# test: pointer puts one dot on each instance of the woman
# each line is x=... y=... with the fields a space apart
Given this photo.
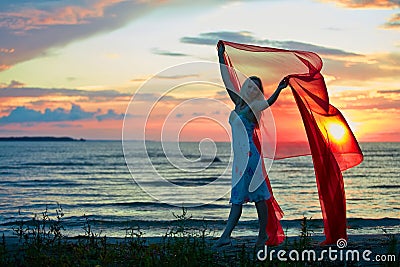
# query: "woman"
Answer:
x=248 y=182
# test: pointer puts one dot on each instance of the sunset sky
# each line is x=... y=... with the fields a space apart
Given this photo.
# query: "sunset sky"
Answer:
x=70 y=68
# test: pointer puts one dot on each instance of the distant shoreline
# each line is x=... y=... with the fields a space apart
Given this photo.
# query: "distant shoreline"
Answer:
x=41 y=138
x=67 y=139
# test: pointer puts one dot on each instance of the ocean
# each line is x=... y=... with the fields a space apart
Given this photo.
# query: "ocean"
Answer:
x=92 y=178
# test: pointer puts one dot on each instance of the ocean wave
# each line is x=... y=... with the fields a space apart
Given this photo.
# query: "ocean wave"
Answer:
x=391 y=186
x=115 y=221
x=40 y=183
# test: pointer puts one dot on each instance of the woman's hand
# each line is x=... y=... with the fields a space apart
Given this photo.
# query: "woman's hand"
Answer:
x=221 y=48
x=271 y=100
x=284 y=83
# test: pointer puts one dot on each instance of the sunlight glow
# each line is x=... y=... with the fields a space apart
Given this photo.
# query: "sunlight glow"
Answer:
x=337 y=131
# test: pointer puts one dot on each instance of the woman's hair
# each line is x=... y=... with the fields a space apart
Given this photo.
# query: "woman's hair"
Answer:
x=257 y=81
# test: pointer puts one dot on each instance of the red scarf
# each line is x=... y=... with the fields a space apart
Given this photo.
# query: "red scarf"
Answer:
x=325 y=133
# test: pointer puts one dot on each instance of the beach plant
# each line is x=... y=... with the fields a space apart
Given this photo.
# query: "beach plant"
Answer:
x=134 y=248
x=392 y=250
x=92 y=247
x=21 y=230
x=39 y=238
x=89 y=235
x=305 y=239
x=3 y=252
x=184 y=245
x=134 y=237
x=41 y=230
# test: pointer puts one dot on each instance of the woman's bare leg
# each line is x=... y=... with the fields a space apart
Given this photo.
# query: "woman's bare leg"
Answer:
x=234 y=215
x=262 y=211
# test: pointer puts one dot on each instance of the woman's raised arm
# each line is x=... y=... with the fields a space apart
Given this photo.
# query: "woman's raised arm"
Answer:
x=225 y=75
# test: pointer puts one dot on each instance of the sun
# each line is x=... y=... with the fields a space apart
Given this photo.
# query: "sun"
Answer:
x=337 y=131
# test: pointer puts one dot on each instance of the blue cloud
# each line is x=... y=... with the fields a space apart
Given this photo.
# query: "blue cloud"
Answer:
x=212 y=38
x=168 y=53
x=12 y=91
x=76 y=113
x=110 y=115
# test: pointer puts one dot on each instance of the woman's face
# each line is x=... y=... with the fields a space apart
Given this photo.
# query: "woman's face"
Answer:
x=252 y=91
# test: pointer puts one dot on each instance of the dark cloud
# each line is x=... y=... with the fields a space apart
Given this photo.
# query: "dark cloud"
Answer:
x=37 y=92
x=110 y=115
x=23 y=114
x=76 y=113
x=212 y=38
x=393 y=22
x=179 y=115
x=389 y=91
x=15 y=84
x=293 y=45
x=165 y=77
x=173 y=77
x=12 y=84
x=12 y=5
x=67 y=125
x=29 y=29
x=152 y=97
x=198 y=114
x=138 y=79
x=167 y=53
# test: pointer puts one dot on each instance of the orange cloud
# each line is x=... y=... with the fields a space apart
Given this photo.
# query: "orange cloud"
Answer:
x=374 y=66
x=4 y=67
x=54 y=24
x=29 y=19
x=366 y=3
x=393 y=22
x=7 y=50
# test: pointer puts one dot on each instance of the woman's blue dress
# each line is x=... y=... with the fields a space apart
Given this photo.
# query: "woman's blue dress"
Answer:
x=248 y=183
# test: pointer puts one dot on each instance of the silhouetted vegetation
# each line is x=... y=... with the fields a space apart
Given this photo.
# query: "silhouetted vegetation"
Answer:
x=41 y=242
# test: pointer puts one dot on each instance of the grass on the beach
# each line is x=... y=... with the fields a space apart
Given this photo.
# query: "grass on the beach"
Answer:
x=41 y=242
